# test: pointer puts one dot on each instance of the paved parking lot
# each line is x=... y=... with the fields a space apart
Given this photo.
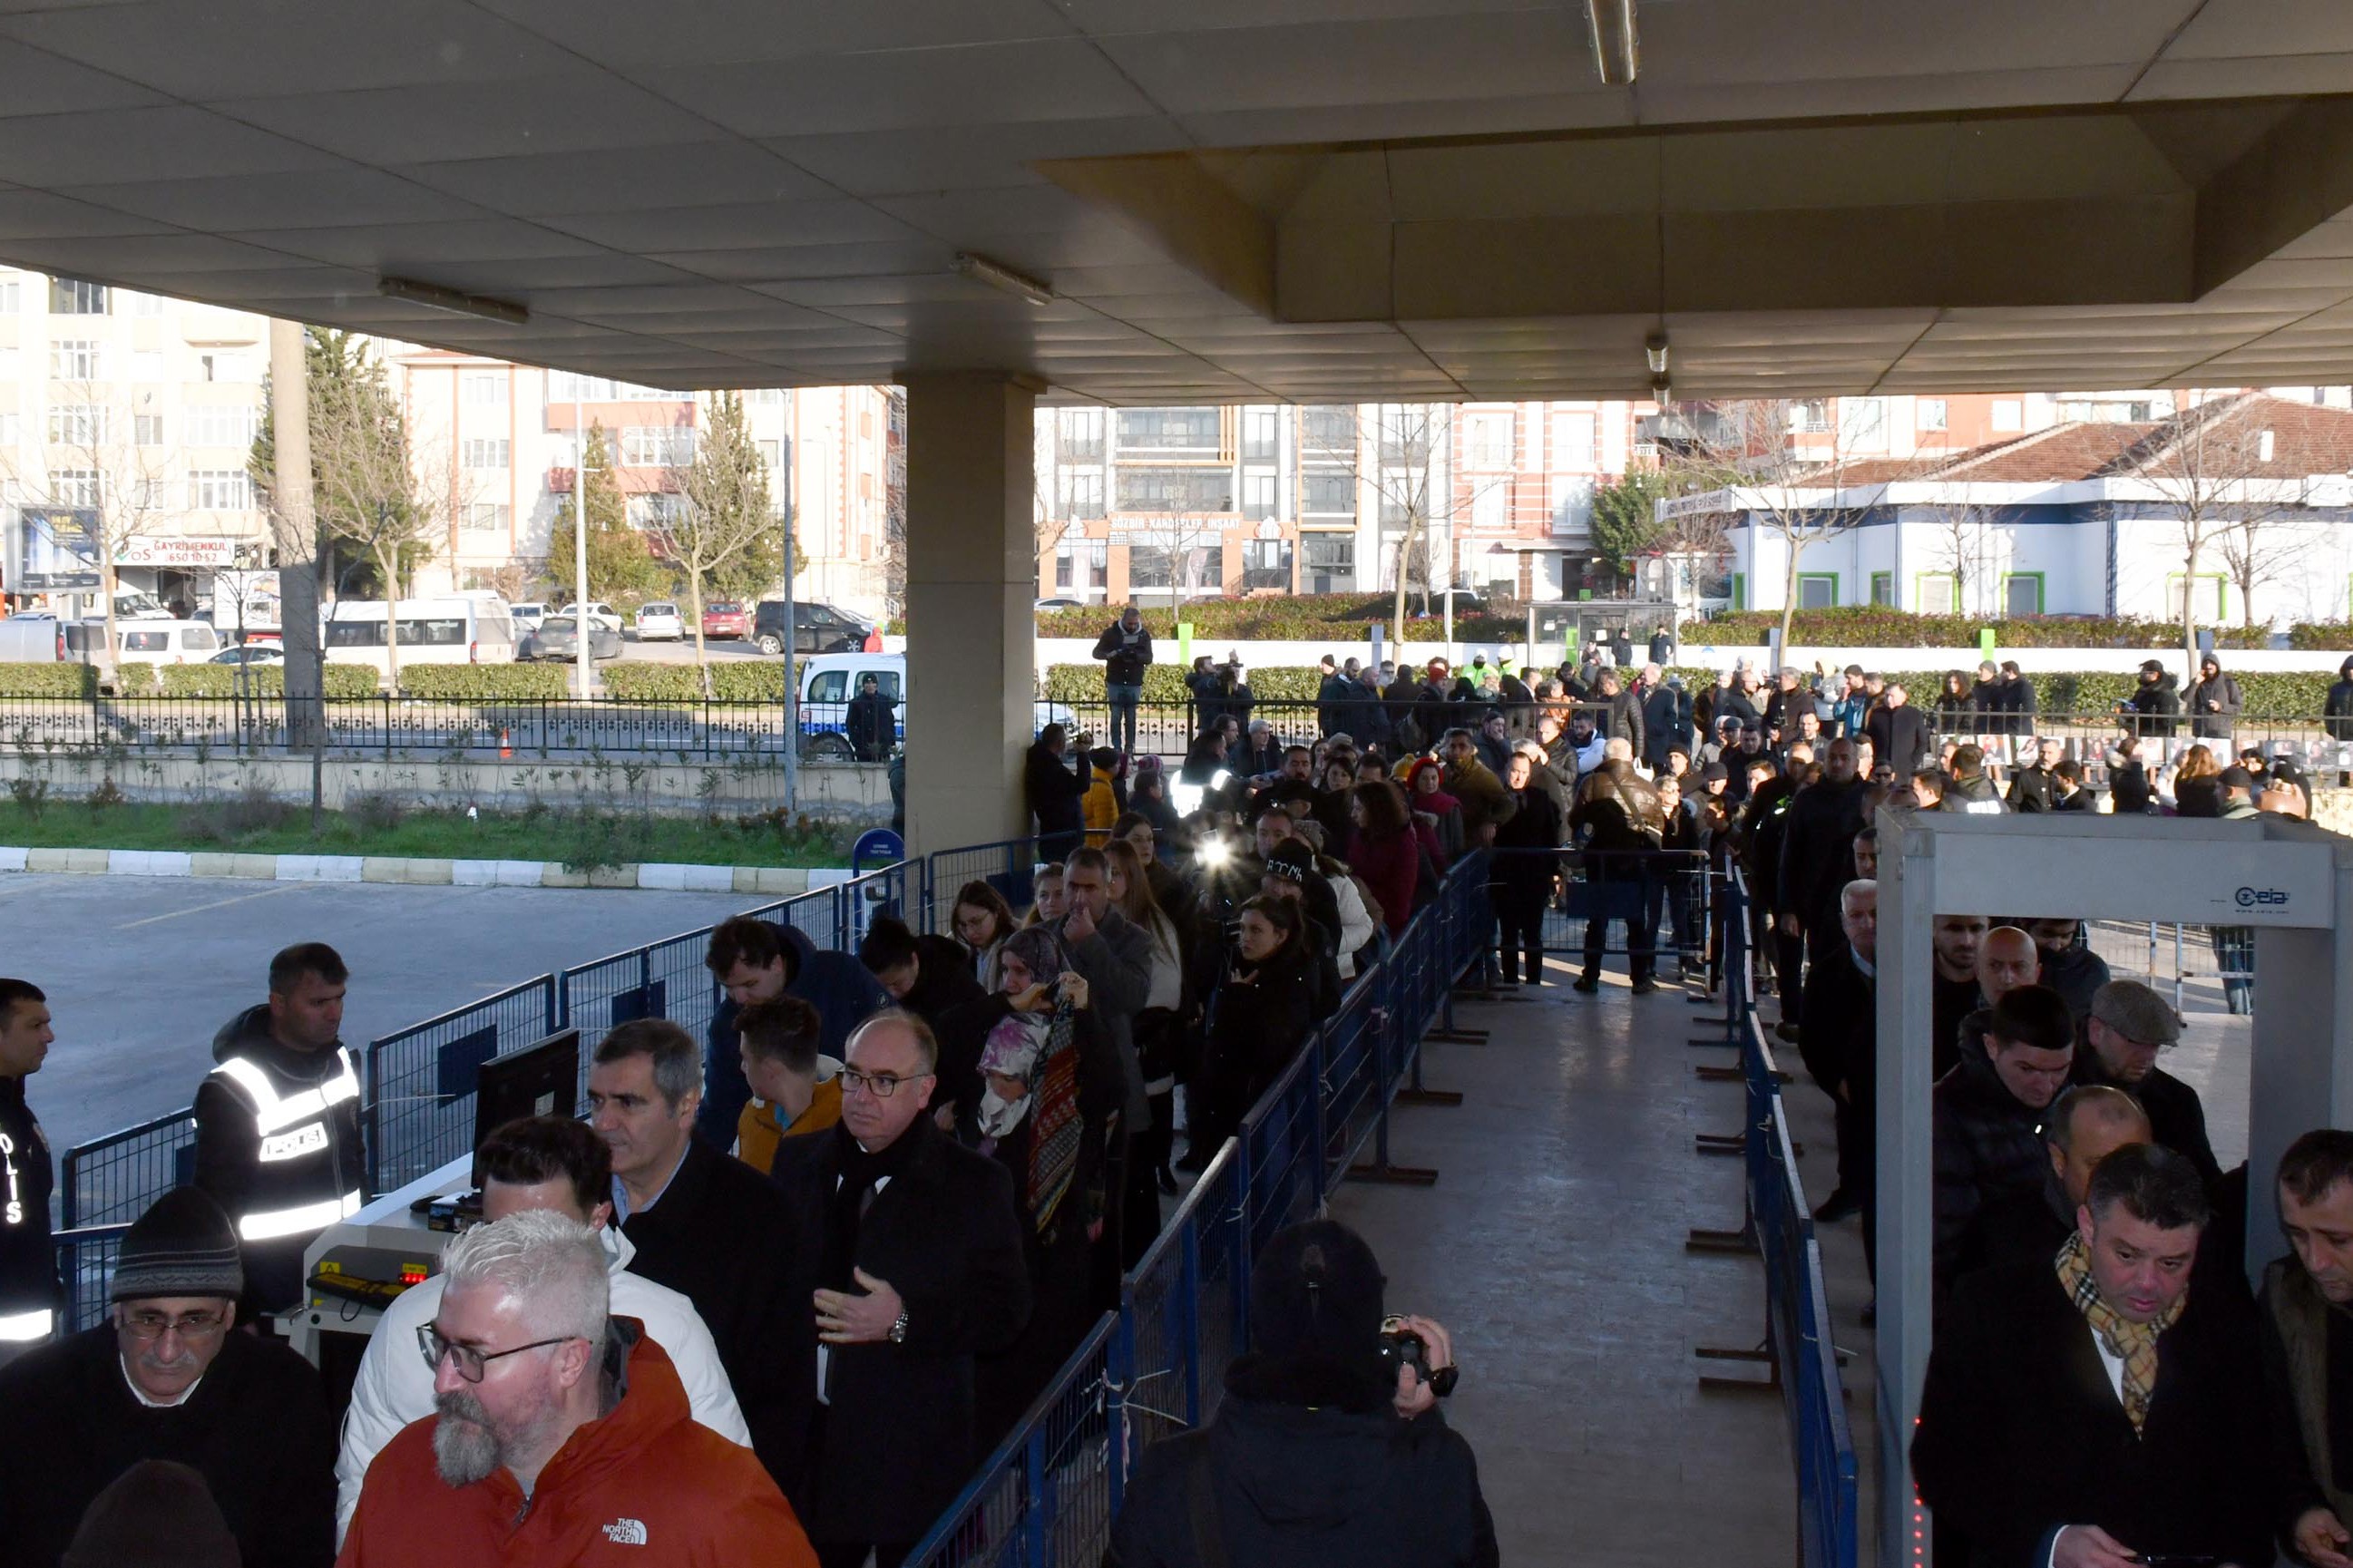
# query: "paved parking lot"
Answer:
x=142 y=971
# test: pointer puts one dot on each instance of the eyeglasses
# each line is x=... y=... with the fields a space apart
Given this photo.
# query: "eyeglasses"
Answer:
x=470 y=1363
x=882 y=1086
x=147 y=1325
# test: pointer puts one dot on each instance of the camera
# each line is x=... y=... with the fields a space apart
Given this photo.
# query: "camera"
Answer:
x=1400 y=1346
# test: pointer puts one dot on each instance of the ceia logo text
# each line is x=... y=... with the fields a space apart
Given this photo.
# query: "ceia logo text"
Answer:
x=2261 y=898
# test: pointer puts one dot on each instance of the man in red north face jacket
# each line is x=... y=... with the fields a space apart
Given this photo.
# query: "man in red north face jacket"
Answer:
x=563 y=1436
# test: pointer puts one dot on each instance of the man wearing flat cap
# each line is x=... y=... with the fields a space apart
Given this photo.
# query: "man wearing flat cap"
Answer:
x=169 y=1377
x=2128 y=1025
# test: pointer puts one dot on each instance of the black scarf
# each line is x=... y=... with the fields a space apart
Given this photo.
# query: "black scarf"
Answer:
x=859 y=1172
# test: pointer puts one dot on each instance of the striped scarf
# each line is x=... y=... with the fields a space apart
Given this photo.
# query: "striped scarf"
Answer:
x=2132 y=1343
x=1055 y=1129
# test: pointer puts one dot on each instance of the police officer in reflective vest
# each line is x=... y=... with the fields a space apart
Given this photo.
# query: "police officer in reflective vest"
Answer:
x=277 y=1122
x=29 y=1275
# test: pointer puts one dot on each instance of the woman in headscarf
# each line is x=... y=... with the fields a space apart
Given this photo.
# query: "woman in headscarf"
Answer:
x=1052 y=1088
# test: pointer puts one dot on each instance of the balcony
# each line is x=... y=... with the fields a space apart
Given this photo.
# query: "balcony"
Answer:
x=559 y=482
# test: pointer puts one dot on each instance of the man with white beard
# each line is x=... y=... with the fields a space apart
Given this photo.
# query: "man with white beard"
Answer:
x=559 y=1429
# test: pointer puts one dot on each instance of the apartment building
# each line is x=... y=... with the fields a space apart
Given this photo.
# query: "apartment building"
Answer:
x=1138 y=503
x=126 y=421
x=502 y=441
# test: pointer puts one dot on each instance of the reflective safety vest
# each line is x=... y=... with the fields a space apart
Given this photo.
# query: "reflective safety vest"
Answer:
x=302 y=1186
x=28 y=1279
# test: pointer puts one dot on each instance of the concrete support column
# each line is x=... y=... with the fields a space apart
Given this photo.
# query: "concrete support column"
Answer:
x=972 y=589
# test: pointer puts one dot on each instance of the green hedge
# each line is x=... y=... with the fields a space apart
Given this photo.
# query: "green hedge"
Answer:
x=48 y=680
x=263 y=680
x=1293 y=618
x=1868 y=625
x=489 y=682
x=136 y=678
x=731 y=681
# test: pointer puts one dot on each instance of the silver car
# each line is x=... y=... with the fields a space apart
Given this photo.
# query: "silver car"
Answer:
x=556 y=638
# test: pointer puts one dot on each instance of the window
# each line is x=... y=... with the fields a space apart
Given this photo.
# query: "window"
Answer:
x=565 y=386
x=1572 y=441
x=1149 y=567
x=12 y=429
x=772 y=454
x=2021 y=594
x=1266 y=563
x=1490 y=441
x=1262 y=429
x=434 y=632
x=1407 y=432
x=1810 y=417
x=1931 y=413
x=71 y=297
x=1176 y=490
x=353 y=633
x=1816 y=591
x=226 y=366
x=147 y=365
x=1081 y=436
x=76 y=359
x=147 y=430
x=1328 y=495
x=1328 y=434
x=1063 y=566
x=220 y=424
x=764 y=397
x=654 y=446
x=1258 y=496
x=1937 y=594
x=1082 y=495
x=12 y=297
x=12 y=364
x=1882 y=589
x=1491 y=507
x=830 y=686
x=2008 y=414
x=484 y=388
x=219 y=489
x=145 y=304
x=1168 y=429
x=652 y=510
x=76 y=425
x=481 y=452
x=1328 y=562
x=1866 y=422
x=149 y=494
x=488 y=517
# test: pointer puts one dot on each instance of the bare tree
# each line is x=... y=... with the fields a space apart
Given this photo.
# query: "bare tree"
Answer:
x=721 y=512
x=1802 y=496
x=104 y=460
x=1411 y=472
x=2212 y=465
x=2262 y=548
x=1179 y=534
x=1969 y=544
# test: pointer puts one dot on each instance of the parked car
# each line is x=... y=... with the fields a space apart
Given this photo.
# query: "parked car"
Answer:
x=726 y=619
x=659 y=621
x=164 y=641
x=603 y=614
x=816 y=628
x=257 y=655
x=558 y=639
x=1061 y=605
x=829 y=681
x=526 y=617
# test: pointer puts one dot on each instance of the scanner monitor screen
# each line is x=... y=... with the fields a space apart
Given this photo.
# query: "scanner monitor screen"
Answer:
x=541 y=1080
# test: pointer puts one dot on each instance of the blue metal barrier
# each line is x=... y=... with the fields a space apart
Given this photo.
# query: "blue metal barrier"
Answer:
x=420 y=1113
x=1005 y=866
x=113 y=1179
x=86 y=1255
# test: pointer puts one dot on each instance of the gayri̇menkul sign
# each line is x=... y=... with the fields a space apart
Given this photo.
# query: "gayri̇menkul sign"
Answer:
x=149 y=550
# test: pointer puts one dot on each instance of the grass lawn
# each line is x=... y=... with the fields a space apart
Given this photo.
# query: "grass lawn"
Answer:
x=247 y=827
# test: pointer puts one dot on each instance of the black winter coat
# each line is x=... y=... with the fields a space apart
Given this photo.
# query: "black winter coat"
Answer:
x=1533 y=833
x=721 y=1237
x=257 y=1428
x=2339 y=711
x=1899 y=738
x=1988 y=1145
x=2155 y=707
x=1626 y=720
x=1053 y=791
x=898 y=1442
x=1818 y=851
x=870 y=726
x=28 y=1270
x=1663 y=725
x=2021 y=1432
x=2224 y=692
x=1308 y=1467
x=2176 y=1116
x=1125 y=656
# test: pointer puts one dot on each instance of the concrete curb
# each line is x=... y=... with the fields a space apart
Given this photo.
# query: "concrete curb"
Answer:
x=774 y=881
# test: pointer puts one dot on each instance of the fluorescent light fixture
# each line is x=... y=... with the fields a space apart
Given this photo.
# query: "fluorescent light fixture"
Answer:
x=457 y=302
x=1654 y=349
x=996 y=275
x=1616 y=48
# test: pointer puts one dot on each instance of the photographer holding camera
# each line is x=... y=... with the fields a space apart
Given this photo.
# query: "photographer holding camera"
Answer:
x=1329 y=1449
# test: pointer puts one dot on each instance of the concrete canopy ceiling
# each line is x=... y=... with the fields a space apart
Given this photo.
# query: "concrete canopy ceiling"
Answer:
x=1231 y=199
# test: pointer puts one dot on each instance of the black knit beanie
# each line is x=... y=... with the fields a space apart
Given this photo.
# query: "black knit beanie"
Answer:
x=183 y=1245
x=1316 y=1291
x=157 y=1514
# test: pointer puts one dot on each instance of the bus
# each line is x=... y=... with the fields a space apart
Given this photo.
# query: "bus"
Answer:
x=457 y=630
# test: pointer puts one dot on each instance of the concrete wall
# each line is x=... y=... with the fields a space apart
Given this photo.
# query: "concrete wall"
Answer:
x=844 y=793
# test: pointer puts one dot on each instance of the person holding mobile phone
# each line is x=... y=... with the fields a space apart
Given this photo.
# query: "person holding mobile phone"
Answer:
x=2089 y=1410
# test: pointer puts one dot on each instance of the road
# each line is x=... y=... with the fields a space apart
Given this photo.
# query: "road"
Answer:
x=141 y=971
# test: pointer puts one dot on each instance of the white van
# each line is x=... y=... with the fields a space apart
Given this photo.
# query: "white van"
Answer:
x=829 y=681
x=432 y=631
